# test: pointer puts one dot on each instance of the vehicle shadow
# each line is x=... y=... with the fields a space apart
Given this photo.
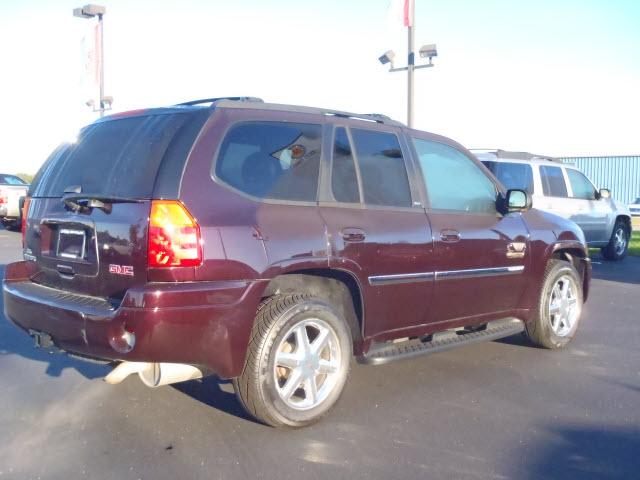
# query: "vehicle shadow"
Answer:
x=14 y=341
x=588 y=452
x=625 y=271
x=214 y=392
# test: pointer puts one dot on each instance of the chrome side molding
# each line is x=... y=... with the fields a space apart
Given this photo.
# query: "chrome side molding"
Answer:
x=379 y=280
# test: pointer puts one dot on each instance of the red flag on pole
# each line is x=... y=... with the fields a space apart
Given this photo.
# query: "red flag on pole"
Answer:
x=408 y=13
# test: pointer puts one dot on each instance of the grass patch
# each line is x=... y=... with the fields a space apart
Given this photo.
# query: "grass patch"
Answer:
x=634 y=244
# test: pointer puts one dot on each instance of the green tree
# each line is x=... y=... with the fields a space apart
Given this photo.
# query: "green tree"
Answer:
x=27 y=177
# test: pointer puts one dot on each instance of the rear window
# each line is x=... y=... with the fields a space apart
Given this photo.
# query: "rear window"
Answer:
x=113 y=158
x=512 y=175
x=11 y=180
x=553 y=182
x=272 y=160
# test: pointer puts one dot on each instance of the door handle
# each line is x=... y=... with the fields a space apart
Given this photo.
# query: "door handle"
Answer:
x=450 y=236
x=353 y=234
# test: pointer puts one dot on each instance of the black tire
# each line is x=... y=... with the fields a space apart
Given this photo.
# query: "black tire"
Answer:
x=614 y=251
x=544 y=330
x=258 y=387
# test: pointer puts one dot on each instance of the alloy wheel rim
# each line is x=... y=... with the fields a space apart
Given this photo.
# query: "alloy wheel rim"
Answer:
x=620 y=241
x=307 y=364
x=564 y=308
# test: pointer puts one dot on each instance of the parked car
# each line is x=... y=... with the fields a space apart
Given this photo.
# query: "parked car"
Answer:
x=634 y=208
x=269 y=243
x=562 y=189
x=12 y=189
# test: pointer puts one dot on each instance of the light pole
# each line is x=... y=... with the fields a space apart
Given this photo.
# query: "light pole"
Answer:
x=427 y=51
x=91 y=11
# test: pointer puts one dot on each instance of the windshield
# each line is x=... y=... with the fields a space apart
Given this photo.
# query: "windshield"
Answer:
x=11 y=180
x=512 y=175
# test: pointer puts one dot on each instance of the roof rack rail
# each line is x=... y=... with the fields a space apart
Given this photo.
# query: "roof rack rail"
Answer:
x=369 y=117
x=499 y=153
x=217 y=99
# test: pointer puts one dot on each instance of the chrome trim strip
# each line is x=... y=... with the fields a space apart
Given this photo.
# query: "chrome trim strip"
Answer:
x=377 y=280
x=479 y=272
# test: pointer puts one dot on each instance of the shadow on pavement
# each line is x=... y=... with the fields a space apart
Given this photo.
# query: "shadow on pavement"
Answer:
x=14 y=341
x=216 y=393
x=626 y=271
x=586 y=453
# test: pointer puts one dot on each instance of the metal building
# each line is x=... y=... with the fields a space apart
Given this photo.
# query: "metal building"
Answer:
x=621 y=175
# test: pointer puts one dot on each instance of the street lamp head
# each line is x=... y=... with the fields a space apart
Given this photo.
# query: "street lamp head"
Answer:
x=89 y=11
x=387 y=57
x=428 y=51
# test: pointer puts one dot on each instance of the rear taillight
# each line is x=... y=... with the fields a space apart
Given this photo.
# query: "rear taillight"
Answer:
x=3 y=197
x=23 y=225
x=174 y=236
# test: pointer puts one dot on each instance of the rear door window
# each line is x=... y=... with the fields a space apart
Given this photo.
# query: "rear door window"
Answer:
x=580 y=185
x=553 y=184
x=382 y=168
x=344 y=179
x=512 y=175
x=272 y=160
x=119 y=157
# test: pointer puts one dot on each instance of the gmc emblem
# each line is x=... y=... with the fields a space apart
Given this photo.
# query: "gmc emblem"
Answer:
x=121 y=269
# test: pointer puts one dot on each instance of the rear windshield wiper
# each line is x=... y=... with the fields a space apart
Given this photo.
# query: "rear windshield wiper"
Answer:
x=84 y=202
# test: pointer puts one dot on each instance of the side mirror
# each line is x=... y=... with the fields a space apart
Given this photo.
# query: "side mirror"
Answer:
x=517 y=201
x=604 y=193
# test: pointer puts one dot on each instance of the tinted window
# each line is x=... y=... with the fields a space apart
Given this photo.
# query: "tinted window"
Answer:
x=453 y=180
x=272 y=160
x=384 y=176
x=553 y=181
x=581 y=186
x=11 y=180
x=114 y=157
x=512 y=175
x=344 y=181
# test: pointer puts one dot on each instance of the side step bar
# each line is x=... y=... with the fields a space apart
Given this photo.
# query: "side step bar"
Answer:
x=441 y=341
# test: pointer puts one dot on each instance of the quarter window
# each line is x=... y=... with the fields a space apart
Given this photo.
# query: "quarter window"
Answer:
x=344 y=180
x=382 y=168
x=553 y=182
x=580 y=185
x=453 y=180
x=272 y=160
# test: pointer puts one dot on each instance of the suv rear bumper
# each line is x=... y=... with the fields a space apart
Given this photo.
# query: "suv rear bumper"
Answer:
x=200 y=323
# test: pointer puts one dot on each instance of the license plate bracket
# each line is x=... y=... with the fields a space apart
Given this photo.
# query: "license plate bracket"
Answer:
x=71 y=244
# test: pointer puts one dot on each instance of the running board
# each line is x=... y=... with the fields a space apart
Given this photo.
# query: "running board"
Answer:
x=441 y=341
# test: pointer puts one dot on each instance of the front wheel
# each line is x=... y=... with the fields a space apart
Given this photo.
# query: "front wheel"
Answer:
x=297 y=362
x=618 y=244
x=559 y=307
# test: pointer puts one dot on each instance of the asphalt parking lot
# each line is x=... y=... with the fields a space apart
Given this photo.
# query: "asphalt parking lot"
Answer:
x=495 y=410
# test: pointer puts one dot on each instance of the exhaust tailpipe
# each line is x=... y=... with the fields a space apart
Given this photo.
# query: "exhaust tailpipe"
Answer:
x=158 y=374
x=154 y=374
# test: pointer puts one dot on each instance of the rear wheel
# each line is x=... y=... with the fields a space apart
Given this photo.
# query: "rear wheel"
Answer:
x=618 y=244
x=297 y=362
x=559 y=307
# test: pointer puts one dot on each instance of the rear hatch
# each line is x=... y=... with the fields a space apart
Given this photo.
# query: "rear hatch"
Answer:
x=88 y=215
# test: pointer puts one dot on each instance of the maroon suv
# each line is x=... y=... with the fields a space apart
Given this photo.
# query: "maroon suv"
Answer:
x=269 y=243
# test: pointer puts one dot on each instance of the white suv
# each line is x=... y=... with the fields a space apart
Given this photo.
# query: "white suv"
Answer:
x=562 y=189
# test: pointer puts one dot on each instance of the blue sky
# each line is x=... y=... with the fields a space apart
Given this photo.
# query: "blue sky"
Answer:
x=557 y=78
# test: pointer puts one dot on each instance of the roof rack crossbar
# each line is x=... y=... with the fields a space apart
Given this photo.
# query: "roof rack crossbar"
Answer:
x=212 y=101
